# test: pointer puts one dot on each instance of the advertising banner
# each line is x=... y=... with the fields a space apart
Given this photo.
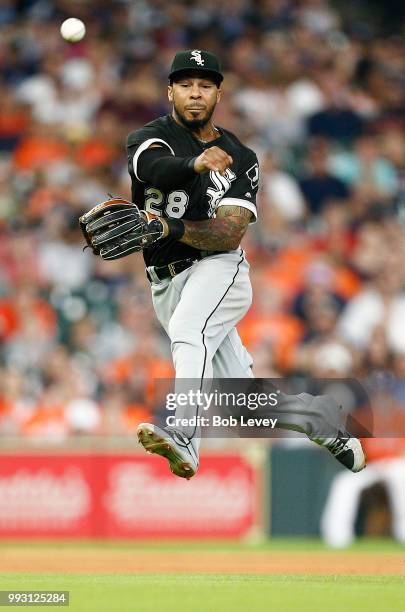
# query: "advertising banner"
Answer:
x=125 y=496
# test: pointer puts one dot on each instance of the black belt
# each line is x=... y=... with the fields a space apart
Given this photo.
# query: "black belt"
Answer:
x=174 y=268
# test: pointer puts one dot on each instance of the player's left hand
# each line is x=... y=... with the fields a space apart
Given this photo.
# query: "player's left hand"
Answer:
x=116 y=228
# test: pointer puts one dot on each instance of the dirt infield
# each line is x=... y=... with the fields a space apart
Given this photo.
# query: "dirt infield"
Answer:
x=78 y=561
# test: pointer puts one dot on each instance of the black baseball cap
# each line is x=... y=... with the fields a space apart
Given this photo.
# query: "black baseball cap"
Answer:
x=195 y=59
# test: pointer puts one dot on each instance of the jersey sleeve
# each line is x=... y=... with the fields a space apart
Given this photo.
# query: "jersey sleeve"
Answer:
x=244 y=187
x=139 y=141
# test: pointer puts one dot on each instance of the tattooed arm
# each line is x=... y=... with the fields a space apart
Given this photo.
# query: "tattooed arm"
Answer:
x=223 y=233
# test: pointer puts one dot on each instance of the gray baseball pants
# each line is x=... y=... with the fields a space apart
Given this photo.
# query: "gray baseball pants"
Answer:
x=199 y=309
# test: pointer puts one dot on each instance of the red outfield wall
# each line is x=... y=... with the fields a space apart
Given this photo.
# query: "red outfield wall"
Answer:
x=125 y=496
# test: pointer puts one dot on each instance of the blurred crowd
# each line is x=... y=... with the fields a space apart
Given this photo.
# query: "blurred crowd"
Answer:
x=317 y=91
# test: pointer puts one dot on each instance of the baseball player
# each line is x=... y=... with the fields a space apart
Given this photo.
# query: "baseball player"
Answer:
x=195 y=186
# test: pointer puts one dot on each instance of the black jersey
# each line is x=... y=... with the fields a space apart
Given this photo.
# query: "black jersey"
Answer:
x=199 y=198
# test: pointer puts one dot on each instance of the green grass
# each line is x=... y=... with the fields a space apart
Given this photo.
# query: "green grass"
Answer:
x=374 y=545
x=216 y=593
x=201 y=593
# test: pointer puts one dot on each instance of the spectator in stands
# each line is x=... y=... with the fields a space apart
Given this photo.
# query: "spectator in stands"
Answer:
x=319 y=186
x=337 y=121
x=366 y=171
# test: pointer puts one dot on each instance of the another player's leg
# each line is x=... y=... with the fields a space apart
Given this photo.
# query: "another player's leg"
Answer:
x=340 y=511
x=394 y=476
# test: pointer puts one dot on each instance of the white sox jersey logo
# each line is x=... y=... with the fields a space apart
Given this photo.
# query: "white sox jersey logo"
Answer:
x=222 y=184
x=196 y=56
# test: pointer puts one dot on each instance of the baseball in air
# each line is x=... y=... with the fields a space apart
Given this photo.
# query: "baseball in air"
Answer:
x=73 y=30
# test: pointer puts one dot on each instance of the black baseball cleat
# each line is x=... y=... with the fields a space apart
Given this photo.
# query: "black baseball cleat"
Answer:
x=347 y=450
x=172 y=445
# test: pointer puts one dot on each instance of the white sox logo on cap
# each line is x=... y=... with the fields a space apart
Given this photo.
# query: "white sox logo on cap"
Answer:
x=196 y=55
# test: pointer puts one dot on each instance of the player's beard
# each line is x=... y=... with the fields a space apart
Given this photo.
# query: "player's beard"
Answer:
x=194 y=124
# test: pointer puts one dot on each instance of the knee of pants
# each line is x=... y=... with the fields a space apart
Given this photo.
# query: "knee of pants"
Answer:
x=184 y=331
x=192 y=340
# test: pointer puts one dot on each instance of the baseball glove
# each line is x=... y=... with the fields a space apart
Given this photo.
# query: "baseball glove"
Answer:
x=116 y=228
